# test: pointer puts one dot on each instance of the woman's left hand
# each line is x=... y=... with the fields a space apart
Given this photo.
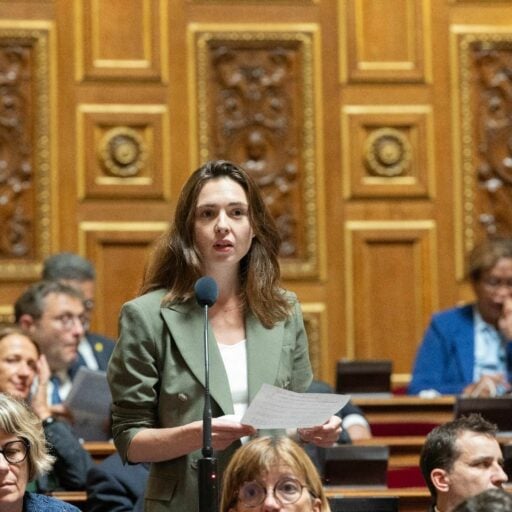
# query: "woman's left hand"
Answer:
x=323 y=435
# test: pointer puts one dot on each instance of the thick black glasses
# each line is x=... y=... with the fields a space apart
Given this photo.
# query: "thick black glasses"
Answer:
x=287 y=491
x=15 y=452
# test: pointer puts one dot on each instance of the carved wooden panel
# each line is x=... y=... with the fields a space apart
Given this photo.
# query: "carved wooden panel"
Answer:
x=121 y=39
x=483 y=81
x=255 y=104
x=384 y=40
x=25 y=141
x=391 y=270
x=6 y=315
x=122 y=151
x=119 y=251
x=388 y=151
x=315 y=321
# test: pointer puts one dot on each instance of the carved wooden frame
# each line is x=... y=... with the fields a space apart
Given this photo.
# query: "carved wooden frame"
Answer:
x=39 y=36
x=307 y=36
x=315 y=321
x=466 y=186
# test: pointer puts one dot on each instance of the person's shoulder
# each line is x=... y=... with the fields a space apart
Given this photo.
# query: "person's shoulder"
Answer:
x=149 y=299
x=290 y=296
x=451 y=314
x=36 y=502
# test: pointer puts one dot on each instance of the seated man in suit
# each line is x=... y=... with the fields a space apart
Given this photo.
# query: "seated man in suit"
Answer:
x=460 y=459
x=52 y=313
x=468 y=349
x=94 y=350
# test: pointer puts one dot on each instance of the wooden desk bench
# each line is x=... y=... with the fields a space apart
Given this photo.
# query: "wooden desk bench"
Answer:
x=403 y=451
x=410 y=500
x=99 y=450
x=406 y=409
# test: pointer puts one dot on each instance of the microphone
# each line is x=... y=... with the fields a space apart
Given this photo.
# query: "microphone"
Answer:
x=206 y=292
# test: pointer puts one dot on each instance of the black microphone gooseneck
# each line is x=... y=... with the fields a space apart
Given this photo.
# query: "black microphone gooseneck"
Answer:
x=206 y=292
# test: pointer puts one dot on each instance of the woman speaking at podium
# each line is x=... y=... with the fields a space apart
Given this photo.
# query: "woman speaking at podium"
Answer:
x=222 y=229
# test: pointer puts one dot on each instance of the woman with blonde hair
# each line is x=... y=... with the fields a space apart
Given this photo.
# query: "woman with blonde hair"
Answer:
x=272 y=473
x=24 y=456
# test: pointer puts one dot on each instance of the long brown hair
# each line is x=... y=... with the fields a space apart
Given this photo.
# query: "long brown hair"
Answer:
x=176 y=265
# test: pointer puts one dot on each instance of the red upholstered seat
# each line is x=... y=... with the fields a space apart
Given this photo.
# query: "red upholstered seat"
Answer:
x=405 y=477
x=402 y=429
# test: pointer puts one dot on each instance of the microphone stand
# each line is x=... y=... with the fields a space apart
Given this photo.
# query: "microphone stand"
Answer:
x=207 y=465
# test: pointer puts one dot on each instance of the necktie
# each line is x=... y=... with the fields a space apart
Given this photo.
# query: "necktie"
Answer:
x=55 y=391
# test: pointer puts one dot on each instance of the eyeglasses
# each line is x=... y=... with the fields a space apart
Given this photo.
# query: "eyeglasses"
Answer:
x=67 y=321
x=287 y=491
x=495 y=283
x=15 y=452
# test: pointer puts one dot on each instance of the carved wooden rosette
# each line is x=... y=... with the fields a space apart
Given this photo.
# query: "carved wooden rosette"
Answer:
x=388 y=153
x=24 y=150
x=485 y=91
x=122 y=152
x=255 y=106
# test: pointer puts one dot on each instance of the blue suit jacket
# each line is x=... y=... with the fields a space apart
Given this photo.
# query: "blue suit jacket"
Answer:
x=446 y=358
x=102 y=348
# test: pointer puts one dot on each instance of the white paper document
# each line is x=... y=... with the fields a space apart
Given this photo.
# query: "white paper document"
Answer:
x=274 y=407
x=89 y=400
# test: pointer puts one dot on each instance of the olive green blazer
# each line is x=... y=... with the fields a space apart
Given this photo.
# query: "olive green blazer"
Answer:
x=156 y=376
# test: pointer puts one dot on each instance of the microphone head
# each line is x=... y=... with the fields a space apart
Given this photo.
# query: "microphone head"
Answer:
x=206 y=291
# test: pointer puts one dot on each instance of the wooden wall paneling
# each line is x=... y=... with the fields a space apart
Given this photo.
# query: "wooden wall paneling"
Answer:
x=391 y=285
x=28 y=212
x=315 y=321
x=123 y=151
x=480 y=56
x=385 y=40
x=27 y=132
x=388 y=151
x=6 y=314
x=255 y=99
x=119 y=39
x=120 y=251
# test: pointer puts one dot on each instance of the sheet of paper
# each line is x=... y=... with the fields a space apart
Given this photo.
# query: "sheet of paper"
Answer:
x=274 y=407
x=89 y=400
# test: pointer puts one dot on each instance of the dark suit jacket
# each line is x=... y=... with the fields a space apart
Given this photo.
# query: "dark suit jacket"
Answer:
x=102 y=348
x=446 y=358
x=72 y=461
x=115 y=487
x=156 y=376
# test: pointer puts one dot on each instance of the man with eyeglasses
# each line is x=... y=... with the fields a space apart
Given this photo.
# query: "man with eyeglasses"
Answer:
x=52 y=313
x=94 y=350
x=468 y=349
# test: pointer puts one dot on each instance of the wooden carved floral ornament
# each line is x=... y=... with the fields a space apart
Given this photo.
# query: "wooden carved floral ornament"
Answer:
x=387 y=153
x=123 y=152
